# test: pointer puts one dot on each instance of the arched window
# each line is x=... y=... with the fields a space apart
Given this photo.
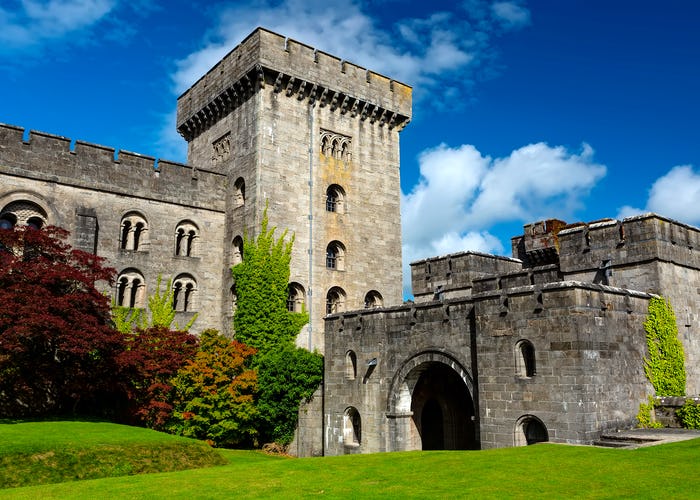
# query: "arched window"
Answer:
x=525 y=359
x=186 y=239
x=335 y=300
x=350 y=365
x=352 y=427
x=239 y=192
x=373 y=299
x=8 y=221
x=295 y=297
x=134 y=232
x=22 y=213
x=237 y=251
x=184 y=289
x=131 y=289
x=530 y=430
x=335 y=199
x=335 y=256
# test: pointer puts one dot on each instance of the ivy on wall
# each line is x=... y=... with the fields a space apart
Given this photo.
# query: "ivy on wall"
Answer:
x=665 y=364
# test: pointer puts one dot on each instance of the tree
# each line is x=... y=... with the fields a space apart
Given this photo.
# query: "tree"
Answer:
x=213 y=393
x=286 y=375
x=58 y=352
x=665 y=365
x=160 y=312
x=152 y=358
x=262 y=320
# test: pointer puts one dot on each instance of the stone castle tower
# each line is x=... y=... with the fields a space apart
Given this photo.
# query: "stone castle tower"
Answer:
x=318 y=139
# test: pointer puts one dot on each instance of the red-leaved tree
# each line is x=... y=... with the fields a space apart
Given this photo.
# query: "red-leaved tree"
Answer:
x=152 y=358
x=58 y=352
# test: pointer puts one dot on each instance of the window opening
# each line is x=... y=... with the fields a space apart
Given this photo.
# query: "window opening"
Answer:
x=350 y=365
x=373 y=299
x=239 y=192
x=352 y=427
x=335 y=300
x=335 y=256
x=526 y=359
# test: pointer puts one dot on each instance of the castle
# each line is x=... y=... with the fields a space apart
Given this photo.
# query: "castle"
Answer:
x=494 y=351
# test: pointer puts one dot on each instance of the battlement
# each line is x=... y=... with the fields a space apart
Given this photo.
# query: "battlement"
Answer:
x=267 y=58
x=453 y=275
x=55 y=158
x=632 y=241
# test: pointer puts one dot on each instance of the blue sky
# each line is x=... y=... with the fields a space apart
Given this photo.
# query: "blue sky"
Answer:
x=523 y=110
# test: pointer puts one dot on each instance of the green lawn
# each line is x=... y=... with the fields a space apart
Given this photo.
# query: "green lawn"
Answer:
x=541 y=471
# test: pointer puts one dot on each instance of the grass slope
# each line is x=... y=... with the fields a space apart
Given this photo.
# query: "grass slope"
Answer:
x=541 y=471
x=51 y=452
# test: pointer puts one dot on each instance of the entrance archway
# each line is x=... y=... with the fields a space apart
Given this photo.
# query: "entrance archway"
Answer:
x=431 y=407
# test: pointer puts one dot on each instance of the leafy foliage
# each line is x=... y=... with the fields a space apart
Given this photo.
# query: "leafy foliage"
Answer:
x=125 y=319
x=214 y=393
x=153 y=357
x=645 y=418
x=287 y=376
x=665 y=365
x=689 y=414
x=262 y=320
x=58 y=352
x=160 y=312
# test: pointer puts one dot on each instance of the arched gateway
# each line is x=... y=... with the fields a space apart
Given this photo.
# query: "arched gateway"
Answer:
x=430 y=405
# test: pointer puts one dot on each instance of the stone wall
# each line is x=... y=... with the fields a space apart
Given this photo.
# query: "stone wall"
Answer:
x=87 y=189
x=588 y=349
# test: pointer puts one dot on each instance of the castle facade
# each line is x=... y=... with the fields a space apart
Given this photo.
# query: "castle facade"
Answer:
x=275 y=122
x=545 y=346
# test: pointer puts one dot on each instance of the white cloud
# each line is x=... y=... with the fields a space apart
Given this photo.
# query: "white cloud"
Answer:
x=511 y=14
x=675 y=195
x=34 y=22
x=441 y=51
x=461 y=193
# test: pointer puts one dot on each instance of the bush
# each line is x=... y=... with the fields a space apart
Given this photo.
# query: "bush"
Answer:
x=689 y=414
x=153 y=357
x=287 y=376
x=213 y=393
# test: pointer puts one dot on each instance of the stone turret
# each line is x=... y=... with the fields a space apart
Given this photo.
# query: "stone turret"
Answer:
x=317 y=138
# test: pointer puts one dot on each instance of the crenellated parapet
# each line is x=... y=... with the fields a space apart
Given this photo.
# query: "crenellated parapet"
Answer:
x=57 y=159
x=612 y=247
x=451 y=276
x=268 y=60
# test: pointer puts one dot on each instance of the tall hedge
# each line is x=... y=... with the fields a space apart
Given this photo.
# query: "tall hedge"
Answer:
x=665 y=364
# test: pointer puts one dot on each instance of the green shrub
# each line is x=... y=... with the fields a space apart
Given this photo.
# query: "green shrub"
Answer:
x=689 y=414
x=644 y=417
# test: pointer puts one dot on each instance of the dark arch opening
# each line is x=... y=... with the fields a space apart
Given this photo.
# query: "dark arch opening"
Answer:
x=433 y=426
x=443 y=409
x=534 y=431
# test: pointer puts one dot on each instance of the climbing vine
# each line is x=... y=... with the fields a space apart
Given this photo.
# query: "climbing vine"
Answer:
x=665 y=364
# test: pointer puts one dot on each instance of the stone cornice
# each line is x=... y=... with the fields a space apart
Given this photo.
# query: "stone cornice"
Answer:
x=259 y=77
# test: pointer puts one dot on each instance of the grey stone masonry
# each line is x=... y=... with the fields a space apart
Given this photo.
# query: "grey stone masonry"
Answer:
x=317 y=140
x=548 y=346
